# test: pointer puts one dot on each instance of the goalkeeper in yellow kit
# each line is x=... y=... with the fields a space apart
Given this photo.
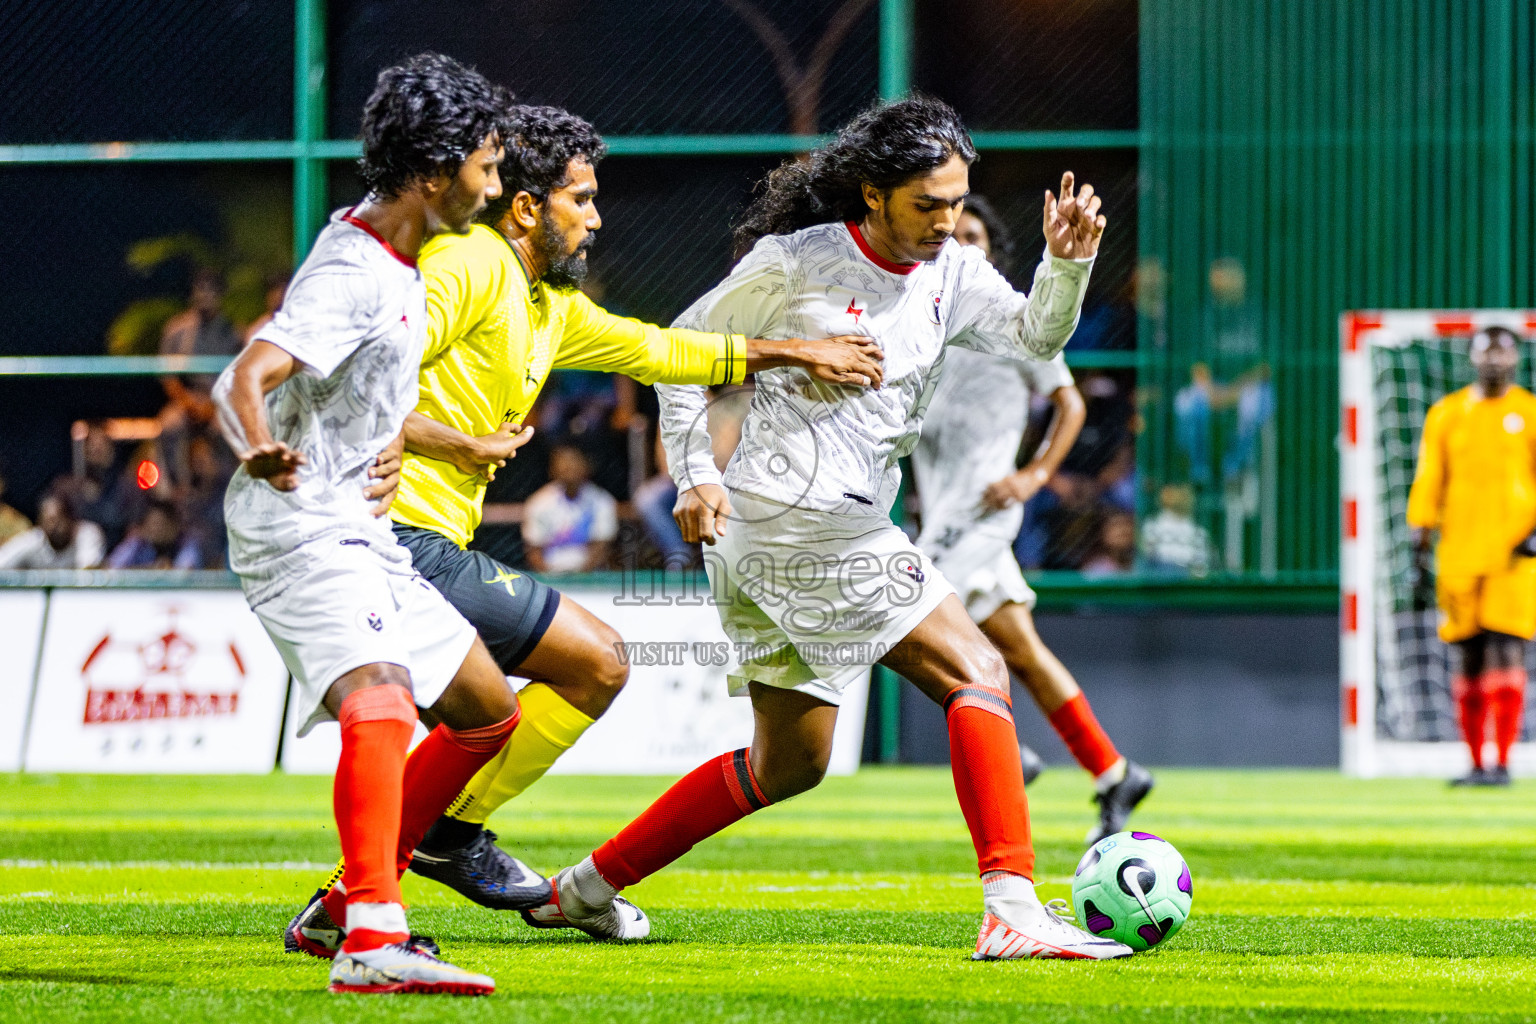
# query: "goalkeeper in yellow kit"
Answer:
x=503 y=310
x=1476 y=484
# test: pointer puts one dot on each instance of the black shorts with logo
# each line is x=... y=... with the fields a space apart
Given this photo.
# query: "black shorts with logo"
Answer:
x=509 y=609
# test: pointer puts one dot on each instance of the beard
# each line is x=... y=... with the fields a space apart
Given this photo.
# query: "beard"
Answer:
x=565 y=269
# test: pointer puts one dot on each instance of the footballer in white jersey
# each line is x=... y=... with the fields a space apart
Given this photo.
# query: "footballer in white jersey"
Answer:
x=973 y=505
x=307 y=407
x=808 y=449
x=812 y=580
x=970 y=442
x=321 y=570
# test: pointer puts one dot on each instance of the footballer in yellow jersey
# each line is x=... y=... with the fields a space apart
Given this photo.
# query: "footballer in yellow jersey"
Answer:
x=503 y=310
x=1476 y=484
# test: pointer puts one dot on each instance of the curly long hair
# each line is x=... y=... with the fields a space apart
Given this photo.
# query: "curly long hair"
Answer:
x=424 y=118
x=885 y=146
x=540 y=144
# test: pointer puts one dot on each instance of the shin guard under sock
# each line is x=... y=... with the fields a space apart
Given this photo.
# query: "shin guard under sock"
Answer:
x=436 y=772
x=376 y=726
x=1471 y=714
x=1506 y=698
x=718 y=793
x=989 y=780
x=1079 y=729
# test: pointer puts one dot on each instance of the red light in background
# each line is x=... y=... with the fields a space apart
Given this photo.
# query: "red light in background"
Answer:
x=148 y=475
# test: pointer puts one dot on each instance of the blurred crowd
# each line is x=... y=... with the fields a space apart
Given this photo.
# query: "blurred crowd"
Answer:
x=590 y=492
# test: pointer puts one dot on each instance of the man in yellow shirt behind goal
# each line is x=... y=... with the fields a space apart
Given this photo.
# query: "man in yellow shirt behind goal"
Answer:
x=503 y=310
x=1476 y=483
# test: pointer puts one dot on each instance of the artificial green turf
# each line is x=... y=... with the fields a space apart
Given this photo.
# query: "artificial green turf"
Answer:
x=1316 y=897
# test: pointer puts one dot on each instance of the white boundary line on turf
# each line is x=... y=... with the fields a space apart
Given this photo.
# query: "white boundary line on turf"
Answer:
x=172 y=865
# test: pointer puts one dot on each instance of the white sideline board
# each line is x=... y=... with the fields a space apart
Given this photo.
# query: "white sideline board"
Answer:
x=21 y=628
x=155 y=681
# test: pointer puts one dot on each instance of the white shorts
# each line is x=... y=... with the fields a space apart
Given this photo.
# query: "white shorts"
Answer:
x=983 y=570
x=812 y=599
x=356 y=609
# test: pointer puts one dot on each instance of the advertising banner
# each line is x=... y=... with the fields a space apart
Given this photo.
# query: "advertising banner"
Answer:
x=155 y=681
x=21 y=626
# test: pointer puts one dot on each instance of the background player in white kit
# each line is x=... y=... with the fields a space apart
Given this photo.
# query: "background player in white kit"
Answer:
x=973 y=505
x=812 y=579
x=321 y=390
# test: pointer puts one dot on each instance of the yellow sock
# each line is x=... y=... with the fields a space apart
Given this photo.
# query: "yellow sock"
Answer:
x=549 y=727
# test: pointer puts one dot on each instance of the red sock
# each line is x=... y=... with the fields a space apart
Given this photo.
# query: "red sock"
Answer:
x=1472 y=704
x=376 y=725
x=1506 y=695
x=1075 y=723
x=984 y=757
x=438 y=770
x=717 y=793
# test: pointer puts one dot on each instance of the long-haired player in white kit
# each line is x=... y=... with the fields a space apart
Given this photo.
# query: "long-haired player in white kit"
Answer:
x=973 y=505
x=308 y=406
x=813 y=581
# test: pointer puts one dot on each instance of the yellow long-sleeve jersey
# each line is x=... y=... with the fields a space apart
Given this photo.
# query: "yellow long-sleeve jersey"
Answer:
x=1476 y=479
x=491 y=343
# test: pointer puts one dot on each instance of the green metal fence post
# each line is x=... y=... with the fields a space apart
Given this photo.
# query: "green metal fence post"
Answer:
x=895 y=48
x=895 y=82
x=309 y=192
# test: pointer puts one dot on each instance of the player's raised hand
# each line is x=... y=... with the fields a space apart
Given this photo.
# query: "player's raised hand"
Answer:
x=701 y=513
x=855 y=359
x=1073 y=224
x=386 y=471
x=491 y=451
x=275 y=463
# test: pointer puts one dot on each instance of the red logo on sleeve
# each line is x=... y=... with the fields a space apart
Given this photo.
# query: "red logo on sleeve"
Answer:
x=856 y=312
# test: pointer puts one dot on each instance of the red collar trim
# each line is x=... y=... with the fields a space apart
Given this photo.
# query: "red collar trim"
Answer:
x=364 y=226
x=874 y=257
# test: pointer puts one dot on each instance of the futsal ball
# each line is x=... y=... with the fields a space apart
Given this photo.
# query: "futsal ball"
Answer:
x=1132 y=887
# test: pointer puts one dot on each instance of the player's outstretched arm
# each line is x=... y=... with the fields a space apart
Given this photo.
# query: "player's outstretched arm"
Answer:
x=239 y=396
x=470 y=455
x=855 y=359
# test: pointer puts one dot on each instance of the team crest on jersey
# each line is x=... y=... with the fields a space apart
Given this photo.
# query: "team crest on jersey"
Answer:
x=370 y=620
x=911 y=571
x=933 y=306
x=1514 y=423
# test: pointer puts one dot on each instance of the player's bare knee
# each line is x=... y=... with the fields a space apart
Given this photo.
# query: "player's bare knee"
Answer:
x=610 y=671
x=780 y=781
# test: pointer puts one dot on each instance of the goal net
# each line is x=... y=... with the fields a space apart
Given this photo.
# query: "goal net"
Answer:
x=1398 y=716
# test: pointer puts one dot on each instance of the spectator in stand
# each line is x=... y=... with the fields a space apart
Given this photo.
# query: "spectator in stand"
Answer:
x=1172 y=541
x=60 y=540
x=107 y=491
x=202 y=501
x=570 y=523
x=201 y=330
x=276 y=288
x=157 y=541
x=12 y=522
x=1116 y=549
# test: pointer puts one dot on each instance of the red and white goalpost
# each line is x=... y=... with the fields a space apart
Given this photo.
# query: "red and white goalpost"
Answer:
x=1398 y=718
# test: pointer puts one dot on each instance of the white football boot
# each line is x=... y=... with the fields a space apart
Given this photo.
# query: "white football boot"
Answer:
x=617 y=920
x=1024 y=929
x=400 y=967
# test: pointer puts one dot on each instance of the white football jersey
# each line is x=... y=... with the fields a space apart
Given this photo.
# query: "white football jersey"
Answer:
x=827 y=446
x=971 y=439
x=355 y=317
